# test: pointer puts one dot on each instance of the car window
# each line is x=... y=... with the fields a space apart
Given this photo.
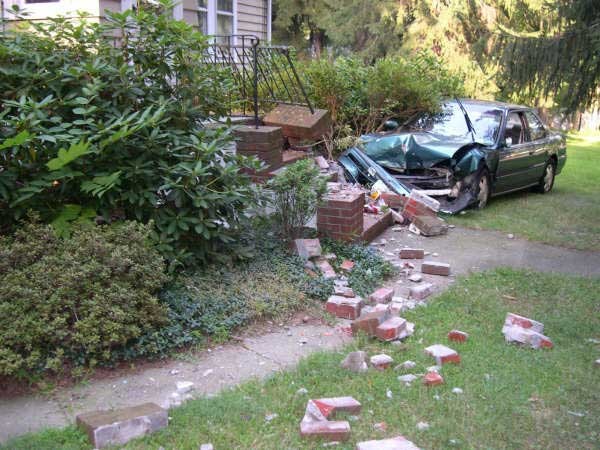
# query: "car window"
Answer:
x=514 y=129
x=535 y=125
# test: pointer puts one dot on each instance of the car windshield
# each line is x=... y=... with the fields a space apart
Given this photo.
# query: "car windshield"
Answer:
x=450 y=122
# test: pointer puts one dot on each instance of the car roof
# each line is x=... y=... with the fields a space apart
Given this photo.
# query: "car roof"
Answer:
x=491 y=103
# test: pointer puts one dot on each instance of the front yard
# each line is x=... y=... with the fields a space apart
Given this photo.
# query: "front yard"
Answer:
x=513 y=397
x=568 y=216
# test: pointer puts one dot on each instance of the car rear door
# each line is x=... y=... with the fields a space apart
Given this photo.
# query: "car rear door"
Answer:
x=540 y=145
x=515 y=154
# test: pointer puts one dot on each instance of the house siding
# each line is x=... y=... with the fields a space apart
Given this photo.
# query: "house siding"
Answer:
x=252 y=18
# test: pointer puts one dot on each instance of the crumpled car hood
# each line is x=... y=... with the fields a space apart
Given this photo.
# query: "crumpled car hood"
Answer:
x=408 y=151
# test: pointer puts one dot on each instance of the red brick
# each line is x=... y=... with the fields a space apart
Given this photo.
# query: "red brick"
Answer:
x=458 y=336
x=349 y=308
x=382 y=295
x=347 y=265
x=338 y=404
x=393 y=200
x=391 y=329
x=435 y=268
x=430 y=225
x=248 y=134
x=524 y=322
x=321 y=162
x=432 y=379
x=369 y=322
x=443 y=354
x=412 y=253
x=326 y=430
x=325 y=268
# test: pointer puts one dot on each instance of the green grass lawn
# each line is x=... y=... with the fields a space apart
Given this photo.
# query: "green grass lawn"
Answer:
x=569 y=216
x=513 y=397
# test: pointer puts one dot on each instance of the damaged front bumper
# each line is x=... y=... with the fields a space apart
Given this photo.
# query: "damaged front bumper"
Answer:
x=454 y=195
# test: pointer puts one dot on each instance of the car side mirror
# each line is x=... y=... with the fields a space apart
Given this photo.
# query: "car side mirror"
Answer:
x=390 y=125
x=508 y=141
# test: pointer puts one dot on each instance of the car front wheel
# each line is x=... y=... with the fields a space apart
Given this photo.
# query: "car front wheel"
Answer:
x=483 y=189
x=547 y=181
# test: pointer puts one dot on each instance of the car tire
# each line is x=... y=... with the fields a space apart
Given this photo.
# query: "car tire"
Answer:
x=483 y=189
x=547 y=180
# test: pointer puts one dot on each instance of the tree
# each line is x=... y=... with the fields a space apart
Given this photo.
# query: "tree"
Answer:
x=560 y=57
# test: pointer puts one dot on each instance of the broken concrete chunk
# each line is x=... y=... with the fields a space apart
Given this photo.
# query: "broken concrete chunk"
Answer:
x=409 y=378
x=412 y=253
x=325 y=268
x=421 y=291
x=184 y=386
x=308 y=248
x=321 y=162
x=119 y=426
x=458 y=336
x=432 y=379
x=435 y=268
x=381 y=361
x=406 y=365
x=416 y=278
x=391 y=329
x=395 y=443
x=443 y=354
x=430 y=225
x=326 y=430
x=355 y=362
x=382 y=295
x=343 y=291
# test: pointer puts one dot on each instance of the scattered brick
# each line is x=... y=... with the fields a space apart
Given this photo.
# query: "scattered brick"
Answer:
x=325 y=268
x=327 y=430
x=525 y=331
x=523 y=322
x=435 y=268
x=421 y=291
x=347 y=265
x=526 y=336
x=344 y=291
x=369 y=322
x=393 y=200
x=308 y=248
x=321 y=162
x=381 y=362
x=344 y=307
x=443 y=354
x=458 y=336
x=432 y=379
x=408 y=378
x=406 y=365
x=419 y=204
x=119 y=426
x=382 y=295
x=412 y=253
x=338 y=404
x=355 y=362
x=390 y=329
x=416 y=278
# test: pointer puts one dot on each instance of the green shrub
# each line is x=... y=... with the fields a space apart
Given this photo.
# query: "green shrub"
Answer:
x=75 y=301
x=91 y=128
x=297 y=192
x=360 y=97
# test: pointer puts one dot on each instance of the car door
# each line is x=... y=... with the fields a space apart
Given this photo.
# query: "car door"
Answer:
x=515 y=154
x=539 y=147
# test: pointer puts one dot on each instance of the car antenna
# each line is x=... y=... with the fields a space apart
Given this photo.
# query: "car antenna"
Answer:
x=467 y=119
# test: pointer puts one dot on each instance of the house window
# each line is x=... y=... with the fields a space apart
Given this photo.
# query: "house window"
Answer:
x=216 y=17
x=225 y=17
x=203 y=16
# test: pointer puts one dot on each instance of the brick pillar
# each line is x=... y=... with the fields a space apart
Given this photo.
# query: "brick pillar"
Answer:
x=265 y=143
x=341 y=215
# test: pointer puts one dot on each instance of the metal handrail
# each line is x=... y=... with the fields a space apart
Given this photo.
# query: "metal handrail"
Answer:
x=263 y=73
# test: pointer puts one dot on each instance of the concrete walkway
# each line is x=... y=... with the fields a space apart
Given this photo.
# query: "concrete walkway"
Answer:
x=280 y=348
